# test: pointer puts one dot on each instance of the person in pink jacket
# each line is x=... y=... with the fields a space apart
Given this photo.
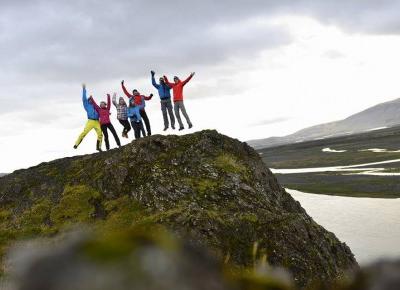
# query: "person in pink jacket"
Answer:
x=104 y=116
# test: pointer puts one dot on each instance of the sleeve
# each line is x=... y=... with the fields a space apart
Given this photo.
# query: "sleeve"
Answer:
x=84 y=98
x=94 y=104
x=138 y=116
x=187 y=80
x=148 y=98
x=153 y=81
x=126 y=91
x=171 y=85
x=108 y=102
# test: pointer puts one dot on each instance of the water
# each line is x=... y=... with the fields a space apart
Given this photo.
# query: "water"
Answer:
x=336 y=168
x=369 y=226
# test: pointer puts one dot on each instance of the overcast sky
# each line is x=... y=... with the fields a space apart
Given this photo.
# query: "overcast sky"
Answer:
x=263 y=68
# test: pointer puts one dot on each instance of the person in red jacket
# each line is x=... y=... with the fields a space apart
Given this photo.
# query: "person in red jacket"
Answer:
x=177 y=88
x=104 y=116
x=140 y=101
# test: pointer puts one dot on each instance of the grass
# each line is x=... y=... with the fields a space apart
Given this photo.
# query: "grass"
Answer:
x=332 y=183
x=310 y=154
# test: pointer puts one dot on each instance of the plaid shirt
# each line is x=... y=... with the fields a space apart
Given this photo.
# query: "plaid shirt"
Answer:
x=122 y=110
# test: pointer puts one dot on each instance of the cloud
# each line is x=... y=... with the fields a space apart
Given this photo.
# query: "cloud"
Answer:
x=333 y=54
x=47 y=48
x=270 y=121
x=67 y=41
x=70 y=41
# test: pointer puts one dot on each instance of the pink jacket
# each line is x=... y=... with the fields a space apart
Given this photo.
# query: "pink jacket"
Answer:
x=104 y=114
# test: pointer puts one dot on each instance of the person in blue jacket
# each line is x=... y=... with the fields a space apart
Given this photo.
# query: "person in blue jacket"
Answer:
x=165 y=98
x=136 y=119
x=92 y=122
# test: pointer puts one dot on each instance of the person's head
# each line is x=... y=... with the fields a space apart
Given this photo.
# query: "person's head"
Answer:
x=161 y=80
x=176 y=79
x=135 y=92
x=103 y=105
x=122 y=101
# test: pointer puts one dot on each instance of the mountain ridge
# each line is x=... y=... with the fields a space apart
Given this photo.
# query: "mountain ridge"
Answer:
x=382 y=115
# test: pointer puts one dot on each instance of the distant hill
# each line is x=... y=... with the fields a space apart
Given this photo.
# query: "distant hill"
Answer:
x=380 y=116
x=2 y=174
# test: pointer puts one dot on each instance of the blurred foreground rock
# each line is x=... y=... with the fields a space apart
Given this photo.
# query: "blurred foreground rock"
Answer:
x=139 y=259
x=152 y=259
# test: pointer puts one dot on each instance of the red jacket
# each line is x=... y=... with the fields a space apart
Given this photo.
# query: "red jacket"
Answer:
x=104 y=114
x=177 y=88
x=138 y=99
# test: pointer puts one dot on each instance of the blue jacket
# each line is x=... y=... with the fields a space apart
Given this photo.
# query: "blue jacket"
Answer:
x=164 y=91
x=89 y=108
x=134 y=114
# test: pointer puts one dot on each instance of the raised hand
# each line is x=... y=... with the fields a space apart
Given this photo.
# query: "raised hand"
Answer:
x=152 y=72
x=84 y=85
x=193 y=73
x=114 y=95
x=122 y=82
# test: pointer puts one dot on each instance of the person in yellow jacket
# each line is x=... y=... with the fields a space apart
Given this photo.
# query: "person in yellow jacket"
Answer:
x=92 y=123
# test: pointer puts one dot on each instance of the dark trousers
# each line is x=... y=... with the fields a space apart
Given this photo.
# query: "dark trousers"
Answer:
x=146 y=121
x=110 y=127
x=138 y=129
x=166 y=108
x=127 y=126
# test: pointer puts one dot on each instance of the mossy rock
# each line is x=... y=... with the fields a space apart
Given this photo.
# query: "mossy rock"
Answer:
x=209 y=188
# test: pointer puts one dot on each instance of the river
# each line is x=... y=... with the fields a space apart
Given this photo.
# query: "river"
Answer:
x=369 y=226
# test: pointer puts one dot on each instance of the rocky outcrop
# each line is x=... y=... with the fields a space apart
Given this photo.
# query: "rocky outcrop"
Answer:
x=211 y=190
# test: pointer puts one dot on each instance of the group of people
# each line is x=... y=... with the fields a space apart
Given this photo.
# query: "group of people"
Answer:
x=132 y=116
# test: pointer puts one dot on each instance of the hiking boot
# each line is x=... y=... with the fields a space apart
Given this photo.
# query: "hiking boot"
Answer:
x=173 y=127
x=75 y=146
x=165 y=128
x=181 y=128
x=190 y=126
x=98 y=147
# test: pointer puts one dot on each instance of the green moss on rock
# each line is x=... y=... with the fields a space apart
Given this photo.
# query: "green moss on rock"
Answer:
x=77 y=205
x=206 y=187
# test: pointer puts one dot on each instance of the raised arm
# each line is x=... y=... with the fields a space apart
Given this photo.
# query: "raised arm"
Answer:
x=188 y=79
x=153 y=80
x=148 y=98
x=168 y=83
x=108 y=102
x=94 y=103
x=114 y=100
x=84 y=97
x=125 y=90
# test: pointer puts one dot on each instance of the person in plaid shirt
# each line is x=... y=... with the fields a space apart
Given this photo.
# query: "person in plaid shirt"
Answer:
x=122 y=114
